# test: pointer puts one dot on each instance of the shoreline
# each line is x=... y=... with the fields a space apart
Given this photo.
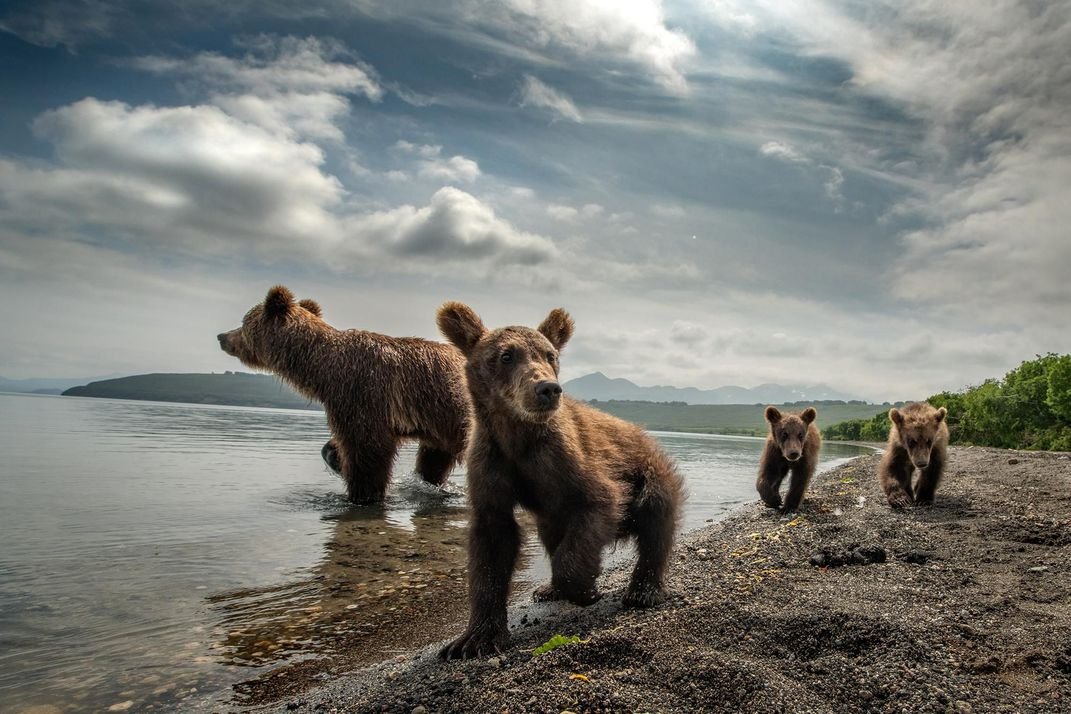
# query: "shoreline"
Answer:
x=969 y=612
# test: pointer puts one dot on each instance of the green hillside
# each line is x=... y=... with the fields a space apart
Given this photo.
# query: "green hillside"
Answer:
x=231 y=388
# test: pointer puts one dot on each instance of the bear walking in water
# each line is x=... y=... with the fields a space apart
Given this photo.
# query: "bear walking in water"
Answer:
x=792 y=445
x=918 y=439
x=588 y=478
x=375 y=389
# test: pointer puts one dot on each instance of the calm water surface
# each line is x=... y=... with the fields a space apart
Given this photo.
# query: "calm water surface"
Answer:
x=143 y=546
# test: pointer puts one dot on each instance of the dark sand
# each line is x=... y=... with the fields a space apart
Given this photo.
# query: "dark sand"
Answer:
x=970 y=612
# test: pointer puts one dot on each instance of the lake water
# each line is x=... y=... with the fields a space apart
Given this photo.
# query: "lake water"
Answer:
x=153 y=553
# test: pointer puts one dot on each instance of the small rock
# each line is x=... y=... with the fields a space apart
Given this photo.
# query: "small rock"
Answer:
x=494 y=662
x=419 y=709
x=962 y=707
x=1037 y=569
x=1013 y=462
x=121 y=706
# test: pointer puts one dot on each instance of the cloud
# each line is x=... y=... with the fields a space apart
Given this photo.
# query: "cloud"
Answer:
x=288 y=85
x=537 y=94
x=782 y=151
x=188 y=177
x=633 y=34
x=989 y=92
x=430 y=166
x=687 y=333
x=455 y=225
x=275 y=65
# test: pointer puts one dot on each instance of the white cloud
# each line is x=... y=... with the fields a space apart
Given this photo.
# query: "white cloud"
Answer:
x=286 y=85
x=632 y=33
x=991 y=92
x=561 y=212
x=535 y=93
x=431 y=166
x=192 y=177
x=275 y=65
x=455 y=225
x=782 y=151
x=453 y=169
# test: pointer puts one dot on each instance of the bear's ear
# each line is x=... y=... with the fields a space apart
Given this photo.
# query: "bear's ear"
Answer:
x=896 y=417
x=809 y=414
x=773 y=415
x=312 y=306
x=278 y=302
x=461 y=325
x=558 y=327
x=941 y=413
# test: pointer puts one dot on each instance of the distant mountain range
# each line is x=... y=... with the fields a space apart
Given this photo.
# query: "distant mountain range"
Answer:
x=262 y=390
x=599 y=386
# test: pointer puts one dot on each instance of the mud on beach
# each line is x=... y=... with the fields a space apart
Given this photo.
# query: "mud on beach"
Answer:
x=847 y=607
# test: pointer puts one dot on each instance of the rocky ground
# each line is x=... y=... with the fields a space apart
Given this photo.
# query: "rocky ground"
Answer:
x=848 y=606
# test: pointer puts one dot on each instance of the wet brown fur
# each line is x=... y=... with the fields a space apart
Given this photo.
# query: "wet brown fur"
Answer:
x=918 y=439
x=790 y=435
x=375 y=389
x=588 y=478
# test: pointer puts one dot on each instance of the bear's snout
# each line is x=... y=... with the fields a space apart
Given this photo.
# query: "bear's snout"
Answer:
x=922 y=463
x=548 y=394
x=222 y=337
x=793 y=456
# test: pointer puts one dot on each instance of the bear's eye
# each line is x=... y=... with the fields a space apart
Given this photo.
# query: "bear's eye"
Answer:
x=506 y=357
x=911 y=443
x=551 y=357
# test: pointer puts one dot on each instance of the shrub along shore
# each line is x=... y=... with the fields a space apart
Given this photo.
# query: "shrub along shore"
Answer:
x=847 y=606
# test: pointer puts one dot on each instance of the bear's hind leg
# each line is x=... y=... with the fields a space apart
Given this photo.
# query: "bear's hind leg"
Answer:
x=433 y=464
x=366 y=468
x=654 y=523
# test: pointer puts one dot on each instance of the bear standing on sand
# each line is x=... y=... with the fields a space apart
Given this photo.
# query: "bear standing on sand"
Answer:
x=588 y=478
x=375 y=389
x=918 y=439
x=792 y=445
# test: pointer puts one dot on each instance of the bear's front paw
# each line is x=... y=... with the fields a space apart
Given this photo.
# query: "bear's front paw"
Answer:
x=642 y=596
x=546 y=593
x=900 y=498
x=476 y=642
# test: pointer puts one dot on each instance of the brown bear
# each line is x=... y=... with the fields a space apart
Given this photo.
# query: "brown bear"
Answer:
x=589 y=479
x=918 y=439
x=792 y=445
x=375 y=389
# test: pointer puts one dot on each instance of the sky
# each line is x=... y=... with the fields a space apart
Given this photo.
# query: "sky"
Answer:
x=870 y=195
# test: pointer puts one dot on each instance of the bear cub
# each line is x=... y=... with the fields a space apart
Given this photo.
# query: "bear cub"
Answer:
x=792 y=445
x=588 y=478
x=918 y=439
x=376 y=390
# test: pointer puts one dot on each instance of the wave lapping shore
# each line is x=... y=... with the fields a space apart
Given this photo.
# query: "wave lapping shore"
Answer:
x=847 y=607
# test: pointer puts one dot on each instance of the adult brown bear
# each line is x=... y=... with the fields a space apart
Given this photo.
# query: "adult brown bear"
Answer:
x=376 y=390
x=588 y=478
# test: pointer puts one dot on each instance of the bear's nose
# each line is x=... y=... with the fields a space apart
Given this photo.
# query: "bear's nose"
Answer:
x=793 y=455
x=922 y=464
x=548 y=392
x=222 y=337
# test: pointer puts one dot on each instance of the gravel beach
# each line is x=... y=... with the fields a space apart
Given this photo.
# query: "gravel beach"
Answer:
x=847 y=606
